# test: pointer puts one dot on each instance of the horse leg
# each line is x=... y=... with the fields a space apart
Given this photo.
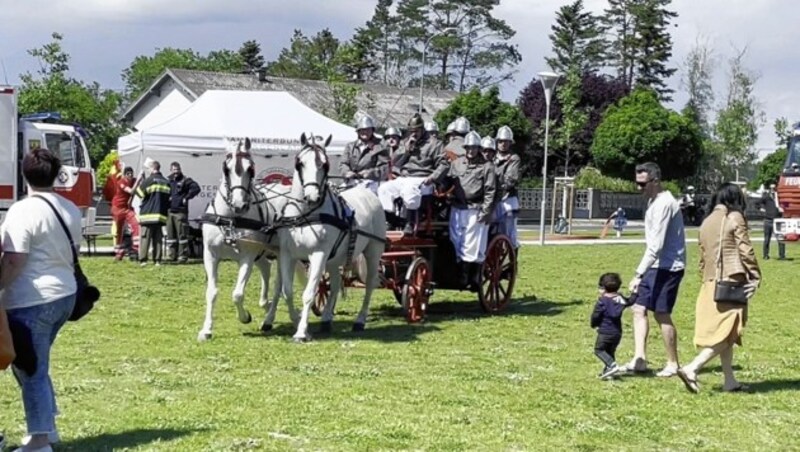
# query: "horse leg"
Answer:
x=316 y=265
x=211 y=263
x=245 y=269
x=372 y=255
x=269 y=307
x=326 y=322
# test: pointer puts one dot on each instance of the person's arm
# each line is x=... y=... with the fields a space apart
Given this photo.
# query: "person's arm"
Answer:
x=511 y=178
x=344 y=164
x=378 y=172
x=489 y=190
x=192 y=190
x=745 y=248
x=662 y=214
x=597 y=314
x=12 y=265
x=702 y=260
x=440 y=162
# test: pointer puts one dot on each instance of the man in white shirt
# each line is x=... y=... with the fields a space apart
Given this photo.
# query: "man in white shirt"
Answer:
x=660 y=271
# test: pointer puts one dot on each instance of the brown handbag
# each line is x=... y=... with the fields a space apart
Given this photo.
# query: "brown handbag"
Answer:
x=727 y=291
x=7 y=353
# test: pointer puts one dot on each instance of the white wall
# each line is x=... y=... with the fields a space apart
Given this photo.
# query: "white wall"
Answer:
x=159 y=109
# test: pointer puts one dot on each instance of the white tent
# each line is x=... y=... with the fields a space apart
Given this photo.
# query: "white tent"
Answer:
x=198 y=137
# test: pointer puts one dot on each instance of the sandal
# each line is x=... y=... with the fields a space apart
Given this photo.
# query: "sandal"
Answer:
x=667 y=372
x=690 y=383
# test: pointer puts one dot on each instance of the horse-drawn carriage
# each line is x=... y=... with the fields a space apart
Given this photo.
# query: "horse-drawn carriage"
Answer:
x=309 y=222
x=414 y=266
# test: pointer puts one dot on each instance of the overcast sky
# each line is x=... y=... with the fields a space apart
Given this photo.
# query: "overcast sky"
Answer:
x=103 y=36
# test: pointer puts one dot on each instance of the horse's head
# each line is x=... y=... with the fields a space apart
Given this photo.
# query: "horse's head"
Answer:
x=311 y=167
x=239 y=172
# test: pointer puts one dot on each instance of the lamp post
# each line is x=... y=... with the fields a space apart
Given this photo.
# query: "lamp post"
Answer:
x=549 y=80
x=424 y=50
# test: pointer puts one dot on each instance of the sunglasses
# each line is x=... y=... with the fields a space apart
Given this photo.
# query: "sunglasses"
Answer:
x=644 y=184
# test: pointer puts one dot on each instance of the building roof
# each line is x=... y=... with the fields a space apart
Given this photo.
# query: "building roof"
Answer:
x=389 y=106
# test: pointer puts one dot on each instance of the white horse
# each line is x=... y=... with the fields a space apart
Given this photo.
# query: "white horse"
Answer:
x=313 y=227
x=231 y=231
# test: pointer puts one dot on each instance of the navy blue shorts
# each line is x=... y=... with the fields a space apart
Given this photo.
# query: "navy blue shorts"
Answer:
x=658 y=290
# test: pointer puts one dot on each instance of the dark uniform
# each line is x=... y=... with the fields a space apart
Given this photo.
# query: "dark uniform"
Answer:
x=768 y=204
x=182 y=190
x=153 y=212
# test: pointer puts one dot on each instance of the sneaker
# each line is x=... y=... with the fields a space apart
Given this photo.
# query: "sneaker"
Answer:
x=610 y=372
x=143 y=264
x=52 y=437
x=637 y=365
x=183 y=260
x=158 y=264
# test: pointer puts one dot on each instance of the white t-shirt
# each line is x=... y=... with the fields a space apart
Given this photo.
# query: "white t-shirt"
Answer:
x=31 y=227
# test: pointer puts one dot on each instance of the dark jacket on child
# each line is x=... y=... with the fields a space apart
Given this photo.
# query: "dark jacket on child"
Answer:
x=607 y=314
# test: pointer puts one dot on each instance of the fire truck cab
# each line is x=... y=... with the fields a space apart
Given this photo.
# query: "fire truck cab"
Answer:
x=18 y=135
x=787 y=228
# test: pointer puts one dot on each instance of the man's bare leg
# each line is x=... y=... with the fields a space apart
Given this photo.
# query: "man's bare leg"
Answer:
x=641 y=328
x=670 y=336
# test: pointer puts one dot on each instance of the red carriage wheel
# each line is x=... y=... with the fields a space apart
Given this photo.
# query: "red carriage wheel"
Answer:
x=498 y=274
x=416 y=290
x=322 y=295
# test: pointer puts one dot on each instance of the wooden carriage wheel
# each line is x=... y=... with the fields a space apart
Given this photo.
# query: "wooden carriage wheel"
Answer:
x=322 y=295
x=498 y=275
x=416 y=290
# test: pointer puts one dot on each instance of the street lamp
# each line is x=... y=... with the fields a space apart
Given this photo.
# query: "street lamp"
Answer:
x=424 y=50
x=549 y=80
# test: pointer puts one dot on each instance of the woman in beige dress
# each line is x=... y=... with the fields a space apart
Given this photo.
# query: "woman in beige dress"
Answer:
x=719 y=326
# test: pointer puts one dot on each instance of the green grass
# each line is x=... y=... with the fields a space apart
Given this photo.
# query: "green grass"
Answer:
x=132 y=375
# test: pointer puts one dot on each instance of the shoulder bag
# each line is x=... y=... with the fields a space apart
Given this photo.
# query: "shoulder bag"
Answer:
x=86 y=294
x=727 y=291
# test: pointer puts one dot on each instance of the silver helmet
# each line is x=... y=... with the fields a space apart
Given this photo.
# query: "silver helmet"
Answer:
x=461 y=126
x=431 y=127
x=450 y=128
x=392 y=132
x=488 y=143
x=365 y=122
x=505 y=133
x=472 y=139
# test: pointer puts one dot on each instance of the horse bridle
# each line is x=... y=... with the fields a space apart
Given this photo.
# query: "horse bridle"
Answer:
x=319 y=152
x=239 y=155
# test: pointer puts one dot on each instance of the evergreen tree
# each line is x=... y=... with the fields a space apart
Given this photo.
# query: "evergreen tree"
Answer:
x=619 y=23
x=306 y=58
x=250 y=52
x=577 y=40
x=654 y=46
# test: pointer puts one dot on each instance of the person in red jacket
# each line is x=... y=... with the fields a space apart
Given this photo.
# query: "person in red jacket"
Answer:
x=122 y=213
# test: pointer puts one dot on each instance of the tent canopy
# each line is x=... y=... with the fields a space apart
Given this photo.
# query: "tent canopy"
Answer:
x=217 y=120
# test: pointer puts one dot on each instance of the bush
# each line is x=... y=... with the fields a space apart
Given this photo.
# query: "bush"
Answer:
x=104 y=168
x=590 y=177
x=531 y=182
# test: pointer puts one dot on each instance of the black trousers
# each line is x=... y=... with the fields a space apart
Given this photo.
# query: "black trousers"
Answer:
x=768 y=226
x=605 y=348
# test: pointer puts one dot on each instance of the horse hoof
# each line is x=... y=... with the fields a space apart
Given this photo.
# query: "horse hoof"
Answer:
x=248 y=318
x=204 y=336
x=265 y=328
x=326 y=327
x=358 y=327
x=301 y=340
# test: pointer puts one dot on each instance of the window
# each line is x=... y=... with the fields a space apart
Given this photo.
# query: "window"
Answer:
x=61 y=145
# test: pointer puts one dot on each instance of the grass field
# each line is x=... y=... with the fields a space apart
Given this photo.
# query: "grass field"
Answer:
x=132 y=375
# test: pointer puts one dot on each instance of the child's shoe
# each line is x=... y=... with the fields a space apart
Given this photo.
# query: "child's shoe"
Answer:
x=610 y=372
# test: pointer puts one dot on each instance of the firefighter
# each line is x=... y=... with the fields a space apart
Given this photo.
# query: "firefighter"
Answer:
x=122 y=213
x=507 y=164
x=366 y=159
x=181 y=190
x=475 y=184
x=392 y=136
x=153 y=212
x=432 y=128
x=416 y=168
x=455 y=147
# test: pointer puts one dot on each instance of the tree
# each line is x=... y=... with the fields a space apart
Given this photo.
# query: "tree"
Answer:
x=641 y=44
x=698 y=73
x=144 y=70
x=597 y=91
x=487 y=113
x=740 y=118
x=783 y=132
x=577 y=40
x=52 y=89
x=770 y=169
x=250 y=53
x=306 y=58
x=573 y=116
x=640 y=129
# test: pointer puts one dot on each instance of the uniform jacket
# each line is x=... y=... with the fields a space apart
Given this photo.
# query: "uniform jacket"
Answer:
x=154 y=192
x=455 y=148
x=475 y=185
x=418 y=158
x=770 y=206
x=738 y=258
x=181 y=190
x=369 y=160
x=507 y=175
